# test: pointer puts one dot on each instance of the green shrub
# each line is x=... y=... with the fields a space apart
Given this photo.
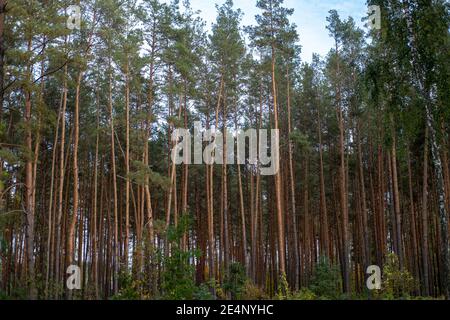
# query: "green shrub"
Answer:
x=18 y=293
x=326 y=282
x=284 y=293
x=130 y=289
x=252 y=292
x=397 y=283
x=178 y=275
x=203 y=293
x=234 y=281
x=303 y=294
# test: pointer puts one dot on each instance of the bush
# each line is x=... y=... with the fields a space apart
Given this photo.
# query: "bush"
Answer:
x=303 y=294
x=397 y=283
x=203 y=293
x=178 y=275
x=19 y=293
x=326 y=282
x=284 y=293
x=252 y=292
x=130 y=288
x=235 y=280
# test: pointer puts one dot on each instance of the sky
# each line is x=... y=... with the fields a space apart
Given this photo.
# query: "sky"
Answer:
x=309 y=16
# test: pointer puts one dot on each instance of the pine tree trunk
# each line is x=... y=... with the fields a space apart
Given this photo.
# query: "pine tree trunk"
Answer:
x=184 y=200
x=30 y=213
x=397 y=209
x=61 y=180
x=241 y=202
x=115 y=251
x=94 y=205
x=50 y=209
x=365 y=228
x=414 y=242
x=325 y=240
x=425 y=255
x=225 y=189
x=292 y=187
x=71 y=236
x=127 y=165
x=278 y=196
x=344 y=202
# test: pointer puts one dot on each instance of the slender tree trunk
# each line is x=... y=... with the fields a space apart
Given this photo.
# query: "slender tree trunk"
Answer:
x=146 y=189
x=184 y=199
x=323 y=200
x=30 y=213
x=292 y=186
x=173 y=172
x=61 y=180
x=343 y=199
x=414 y=245
x=225 y=189
x=342 y=179
x=50 y=209
x=94 y=218
x=71 y=236
x=365 y=227
x=425 y=254
x=241 y=201
x=127 y=164
x=114 y=181
x=211 y=238
x=397 y=209
x=278 y=196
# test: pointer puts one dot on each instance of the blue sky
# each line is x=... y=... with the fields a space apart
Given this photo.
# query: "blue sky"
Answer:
x=309 y=16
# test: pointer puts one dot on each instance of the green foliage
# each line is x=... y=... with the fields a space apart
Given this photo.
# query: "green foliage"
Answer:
x=301 y=141
x=203 y=293
x=252 y=292
x=234 y=281
x=130 y=288
x=238 y=286
x=303 y=294
x=227 y=45
x=9 y=157
x=284 y=293
x=274 y=28
x=142 y=172
x=18 y=293
x=326 y=282
x=397 y=283
x=178 y=276
x=283 y=288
